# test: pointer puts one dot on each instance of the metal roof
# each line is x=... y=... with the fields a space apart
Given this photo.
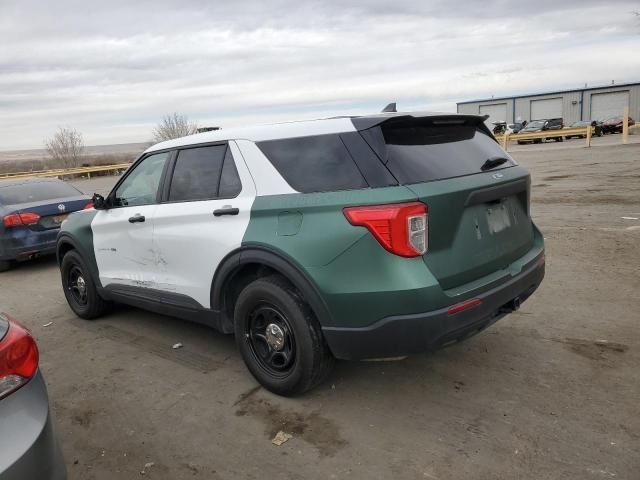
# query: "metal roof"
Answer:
x=556 y=92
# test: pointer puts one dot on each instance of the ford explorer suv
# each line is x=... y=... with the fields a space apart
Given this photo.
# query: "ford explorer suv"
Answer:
x=350 y=238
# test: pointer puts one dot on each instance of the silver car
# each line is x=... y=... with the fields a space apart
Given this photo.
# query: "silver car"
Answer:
x=28 y=448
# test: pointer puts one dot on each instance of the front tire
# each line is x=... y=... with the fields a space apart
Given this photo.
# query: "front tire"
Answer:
x=279 y=337
x=79 y=287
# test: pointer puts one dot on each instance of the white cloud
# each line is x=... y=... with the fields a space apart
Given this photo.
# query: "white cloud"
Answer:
x=113 y=69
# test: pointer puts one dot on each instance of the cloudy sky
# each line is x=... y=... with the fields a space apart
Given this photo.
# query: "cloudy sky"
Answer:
x=111 y=69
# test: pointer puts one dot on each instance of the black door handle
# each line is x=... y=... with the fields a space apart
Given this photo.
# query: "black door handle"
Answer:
x=136 y=219
x=226 y=211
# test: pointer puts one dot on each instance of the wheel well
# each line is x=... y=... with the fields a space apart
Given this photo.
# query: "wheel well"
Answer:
x=63 y=249
x=242 y=277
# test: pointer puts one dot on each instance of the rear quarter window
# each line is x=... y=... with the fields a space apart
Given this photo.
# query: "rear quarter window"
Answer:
x=314 y=164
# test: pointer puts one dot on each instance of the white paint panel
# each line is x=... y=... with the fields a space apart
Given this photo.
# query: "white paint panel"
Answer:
x=546 y=109
x=190 y=242
x=123 y=250
x=605 y=105
x=497 y=113
x=267 y=179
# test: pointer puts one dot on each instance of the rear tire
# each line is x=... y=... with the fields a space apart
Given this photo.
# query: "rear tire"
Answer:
x=5 y=265
x=279 y=337
x=79 y=287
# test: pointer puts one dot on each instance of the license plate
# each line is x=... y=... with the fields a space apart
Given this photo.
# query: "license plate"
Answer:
x=58 y=219
x=498 y=217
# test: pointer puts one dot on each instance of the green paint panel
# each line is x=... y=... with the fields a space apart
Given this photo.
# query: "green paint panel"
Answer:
x=362 y=283
x=469 y=241
x=324 y=232
x=366 y=284
x=78 y=227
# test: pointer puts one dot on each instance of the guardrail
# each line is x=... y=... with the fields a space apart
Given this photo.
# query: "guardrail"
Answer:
x=526 y=137
x=64 y=172
x=588 y=132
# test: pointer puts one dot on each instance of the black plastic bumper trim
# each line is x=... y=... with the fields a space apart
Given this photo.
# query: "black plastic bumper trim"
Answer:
x=408 y=334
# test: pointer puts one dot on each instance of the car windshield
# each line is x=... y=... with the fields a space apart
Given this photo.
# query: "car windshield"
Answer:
x=613 y=119
x=536 y=124
x=35 y=192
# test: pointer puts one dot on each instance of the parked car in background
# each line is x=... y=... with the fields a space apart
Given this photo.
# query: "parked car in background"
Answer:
x=31 y=212
x=614 y=124
x=541 y=126
x=275 y=233
x=516 y=127
x=596 y=128
x=28 y=447
x=500 y=128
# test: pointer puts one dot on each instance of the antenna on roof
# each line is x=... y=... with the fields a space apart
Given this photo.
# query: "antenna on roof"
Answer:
x=390 y=108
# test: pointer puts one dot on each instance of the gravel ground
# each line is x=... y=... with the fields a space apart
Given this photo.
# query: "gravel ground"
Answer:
x=549 y=392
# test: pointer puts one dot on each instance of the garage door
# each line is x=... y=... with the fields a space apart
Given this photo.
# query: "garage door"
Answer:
x=605 y=105
x=548 y=108
x=497 y=113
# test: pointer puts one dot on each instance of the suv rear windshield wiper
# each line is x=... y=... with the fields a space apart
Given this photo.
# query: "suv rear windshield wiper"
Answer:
x=493 y=162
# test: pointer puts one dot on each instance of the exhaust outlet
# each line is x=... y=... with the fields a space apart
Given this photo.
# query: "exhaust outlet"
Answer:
x=511 y=306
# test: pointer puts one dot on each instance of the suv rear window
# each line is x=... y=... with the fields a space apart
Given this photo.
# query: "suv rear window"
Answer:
x=314 y=164
x=36 y=192
x=417 y=151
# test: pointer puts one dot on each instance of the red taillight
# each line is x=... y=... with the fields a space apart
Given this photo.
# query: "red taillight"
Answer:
x=88 y=206
x=19 y=219
x=462 y=306
x=401 y=228
x=18 y=359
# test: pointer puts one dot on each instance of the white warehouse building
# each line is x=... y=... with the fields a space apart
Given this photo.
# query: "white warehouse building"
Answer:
x=590 y=103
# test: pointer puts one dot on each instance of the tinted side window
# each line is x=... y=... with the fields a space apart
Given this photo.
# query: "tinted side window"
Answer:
x=230 y=185
x=418 y=152
x=140 y=187
x=314 y=164
x=196 y=173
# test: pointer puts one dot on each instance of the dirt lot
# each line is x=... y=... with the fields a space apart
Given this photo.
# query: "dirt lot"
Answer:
x=550 y=392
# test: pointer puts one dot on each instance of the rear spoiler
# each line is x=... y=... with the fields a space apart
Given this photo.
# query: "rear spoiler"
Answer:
x=370 y=121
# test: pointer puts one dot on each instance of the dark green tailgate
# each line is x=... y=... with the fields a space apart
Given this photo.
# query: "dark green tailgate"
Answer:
x=478 y=224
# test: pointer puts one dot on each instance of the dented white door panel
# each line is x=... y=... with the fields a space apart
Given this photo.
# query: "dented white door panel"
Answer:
x=123 y=249
x=190 y=241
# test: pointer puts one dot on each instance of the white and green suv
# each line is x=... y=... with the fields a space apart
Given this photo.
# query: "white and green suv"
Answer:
x=363 y=237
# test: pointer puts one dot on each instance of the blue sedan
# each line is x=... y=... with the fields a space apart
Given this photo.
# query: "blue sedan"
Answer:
x=31 y=212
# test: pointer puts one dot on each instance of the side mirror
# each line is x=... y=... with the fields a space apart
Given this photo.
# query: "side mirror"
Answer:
x=99 y=203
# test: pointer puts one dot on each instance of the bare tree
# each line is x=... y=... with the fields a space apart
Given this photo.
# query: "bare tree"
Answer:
x=173 y=126
x=66 y=147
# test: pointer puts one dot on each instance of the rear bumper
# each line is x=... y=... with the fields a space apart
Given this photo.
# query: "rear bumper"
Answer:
x=28 y=448
x=24 y=243
x=407 y=334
